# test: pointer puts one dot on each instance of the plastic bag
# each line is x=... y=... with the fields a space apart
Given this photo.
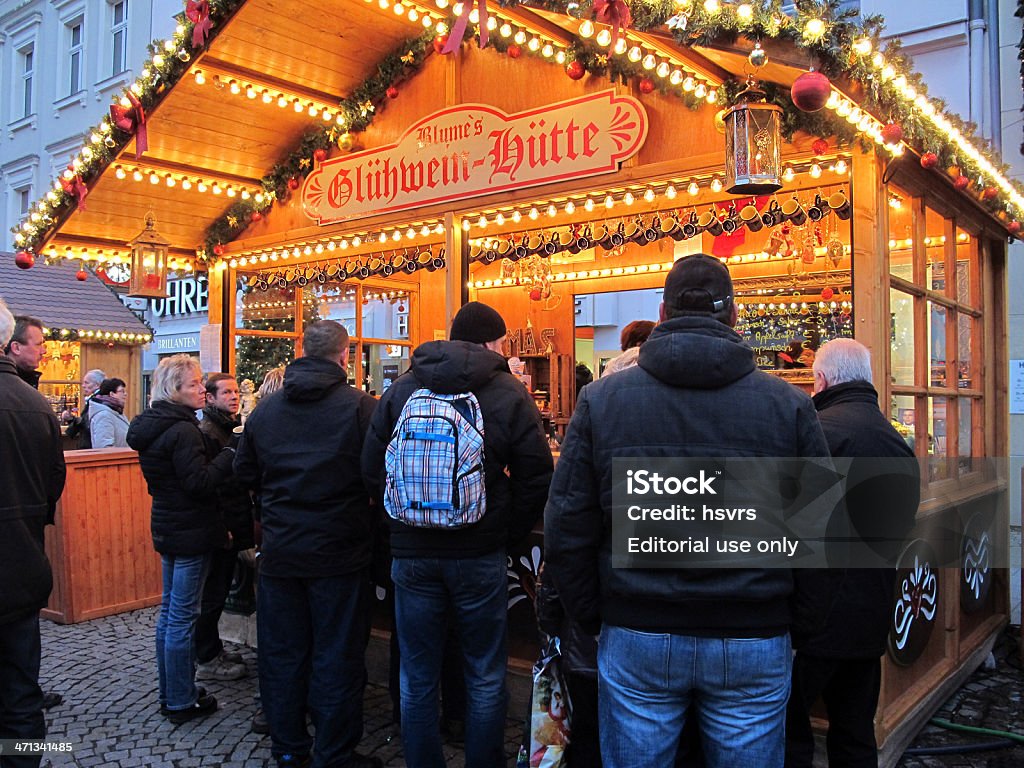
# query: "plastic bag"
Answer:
x=550 y=710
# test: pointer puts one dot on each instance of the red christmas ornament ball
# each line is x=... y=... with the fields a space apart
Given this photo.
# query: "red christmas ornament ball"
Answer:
x=810 y=91
x=646 y=85
x=439 y=43
x=392 y=92
x=24 y=260
x=929 y=160
x=827 y=293
x=892 y=133
x=81 y=276
x=293 y=183
x=255 y=216
x=819 y=147
x=575 y=70
x=319 y=155
x=401 y=307
x=535 y=294
x=514 y=51
x=961 y=183
x=1014 y=227
x=218 y=250
x=989 y=193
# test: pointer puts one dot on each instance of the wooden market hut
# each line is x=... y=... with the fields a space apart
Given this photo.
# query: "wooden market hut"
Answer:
x=382 y=175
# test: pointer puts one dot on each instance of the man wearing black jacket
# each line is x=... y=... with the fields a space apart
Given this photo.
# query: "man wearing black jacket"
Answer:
x=462 y=570
x=300 y=452
x=220 y=417
x=842 y=662
x=32 y=479
x=709 y=643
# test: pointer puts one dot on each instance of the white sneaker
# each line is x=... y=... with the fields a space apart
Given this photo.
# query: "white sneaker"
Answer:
x=219 y=669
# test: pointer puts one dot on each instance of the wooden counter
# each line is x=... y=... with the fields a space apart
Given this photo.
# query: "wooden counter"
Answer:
x=100 y=546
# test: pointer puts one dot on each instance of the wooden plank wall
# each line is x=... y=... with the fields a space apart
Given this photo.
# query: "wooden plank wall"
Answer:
x=100 y=547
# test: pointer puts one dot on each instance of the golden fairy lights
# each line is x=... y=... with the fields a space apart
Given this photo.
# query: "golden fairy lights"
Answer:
x=65 y=334
x=239 y=86
x=99 y=257
x=198 y=184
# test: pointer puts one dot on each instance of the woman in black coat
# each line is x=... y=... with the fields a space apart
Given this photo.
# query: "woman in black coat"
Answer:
x=182 y=470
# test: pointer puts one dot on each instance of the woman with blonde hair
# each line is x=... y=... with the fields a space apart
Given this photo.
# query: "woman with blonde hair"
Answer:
x=272 y=382
x=182 y=470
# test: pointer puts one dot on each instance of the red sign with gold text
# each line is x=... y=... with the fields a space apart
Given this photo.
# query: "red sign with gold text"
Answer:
x=475 y=149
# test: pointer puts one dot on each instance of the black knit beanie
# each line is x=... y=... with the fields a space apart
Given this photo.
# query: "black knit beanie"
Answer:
x=477 y=323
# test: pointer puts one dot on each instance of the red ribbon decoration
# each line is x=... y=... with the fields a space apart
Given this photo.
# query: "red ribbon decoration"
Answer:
x=75 y=187
x=614 y=13
x=132 y=120
x=459 y=30
x=198 y=12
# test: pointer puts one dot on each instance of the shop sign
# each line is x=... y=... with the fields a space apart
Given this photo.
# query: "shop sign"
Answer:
x=177 y=342
x=475 y=149
x=188 y=296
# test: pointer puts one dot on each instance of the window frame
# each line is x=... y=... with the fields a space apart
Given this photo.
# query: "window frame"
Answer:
x=75 y=59
x=26 y=60
x=118 y=38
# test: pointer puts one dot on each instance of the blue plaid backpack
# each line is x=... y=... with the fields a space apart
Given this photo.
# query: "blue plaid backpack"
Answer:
x=434 y=464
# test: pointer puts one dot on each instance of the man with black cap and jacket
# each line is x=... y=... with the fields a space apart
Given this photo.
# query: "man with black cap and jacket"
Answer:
x=679 y=642
x=842 y=662
x=461 y=571
x=300 y=453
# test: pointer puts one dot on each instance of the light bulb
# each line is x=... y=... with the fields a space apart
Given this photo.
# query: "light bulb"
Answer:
x=635 y=54
x=649 y=62
x=505 y=30
x=586 y=29
x=693 y=189
x=716 y=185
x=604 y=38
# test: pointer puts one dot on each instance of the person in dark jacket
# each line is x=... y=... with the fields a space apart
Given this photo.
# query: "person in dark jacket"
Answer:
x=462 y=570
x=220 y=417
x=26 y=348
x=842 y=663
x=32 y=479
x=300 y=453
x=183 y=471
x=713 y=643
x=78 y=426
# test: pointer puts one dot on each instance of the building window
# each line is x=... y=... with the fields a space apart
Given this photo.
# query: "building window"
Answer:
x=74 y=56
x=27 y=74
x=119 y=31
x=24 y=200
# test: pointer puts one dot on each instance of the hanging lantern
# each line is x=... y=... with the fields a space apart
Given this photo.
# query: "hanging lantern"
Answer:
x=149 y=262
x=752 y=145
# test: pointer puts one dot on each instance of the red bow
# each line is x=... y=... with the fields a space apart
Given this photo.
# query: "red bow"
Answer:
x=198 y=12
x=75 y=187
x=615 y=13
x=459 y=30
x=132 y=120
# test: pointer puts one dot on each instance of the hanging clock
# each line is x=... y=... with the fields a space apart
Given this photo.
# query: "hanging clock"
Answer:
x=117 y=273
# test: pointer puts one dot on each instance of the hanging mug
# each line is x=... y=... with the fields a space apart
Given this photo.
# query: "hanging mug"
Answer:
x=437 y=262
x=424 y=258
x=506 y=248
x=690 y=227
x=565 y=238
x=793 y=211
x=551 y=246
x=301 y=278
x=260 y=282
x=535 y=244
x=840 y=205
x=731 y=222
x=363 y=272
x=635 y=231
x=653 y=230
x=773 y=215
x=398 y=262
x=607 y=237
x=751 y=218
x=475 y=253
x=819 y=210
x=320 y=275
x=411 y=265
x=710 y=223
x=375 y=266
x=333 y=270
x=669 y=227
x=387 y=270
x=523 y=249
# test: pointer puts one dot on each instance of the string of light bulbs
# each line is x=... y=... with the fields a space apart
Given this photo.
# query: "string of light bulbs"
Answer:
x=140 y=173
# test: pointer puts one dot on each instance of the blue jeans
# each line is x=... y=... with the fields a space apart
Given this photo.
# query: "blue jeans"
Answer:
x=474 y=591
x=312 y=636
x=737 y=688
x=184 y=577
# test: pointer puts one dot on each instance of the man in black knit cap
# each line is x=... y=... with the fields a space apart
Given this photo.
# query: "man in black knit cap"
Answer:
x=459 y=571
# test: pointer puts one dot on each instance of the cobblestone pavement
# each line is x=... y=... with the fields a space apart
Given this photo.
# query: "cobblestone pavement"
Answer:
x=106 y=673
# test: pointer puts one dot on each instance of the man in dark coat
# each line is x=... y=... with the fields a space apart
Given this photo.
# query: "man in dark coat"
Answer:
x=842 y=662
x=26 y=348
x=300 y=453
x=679 y=642
x=461 y=572
x=220 y=417
x=32 y=479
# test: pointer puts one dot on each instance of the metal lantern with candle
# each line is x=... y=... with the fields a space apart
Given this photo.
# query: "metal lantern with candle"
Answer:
x=753 y=163
x=149 y=262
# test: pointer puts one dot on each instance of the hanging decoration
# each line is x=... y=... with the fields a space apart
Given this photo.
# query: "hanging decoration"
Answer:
x=131 y=119
x=514 y=51
x=81 y=276
x=753 y=162
x=575 y=70
x=820 y=147
x=616 y=14
x=72 y=184
x=810 y=91
x=24 y=260
x=646 y=85
x=391 y=92
x=441 y=44
x=149 y=262
x=758 y=57
x=892 y=133
x=929 y=160
x=198 y=12
x=454 y=39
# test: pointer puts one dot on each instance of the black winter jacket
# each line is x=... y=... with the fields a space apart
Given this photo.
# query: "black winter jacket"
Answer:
x=232 y=497
x=31 y=482
x=183 y=471
x=854 y=426
x=517 y=460
x=300 y=453
x=696 y=392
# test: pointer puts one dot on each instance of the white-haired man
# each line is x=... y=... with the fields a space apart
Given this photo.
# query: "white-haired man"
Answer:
x=841 y=664
x=78 y=426
x=32 y=478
